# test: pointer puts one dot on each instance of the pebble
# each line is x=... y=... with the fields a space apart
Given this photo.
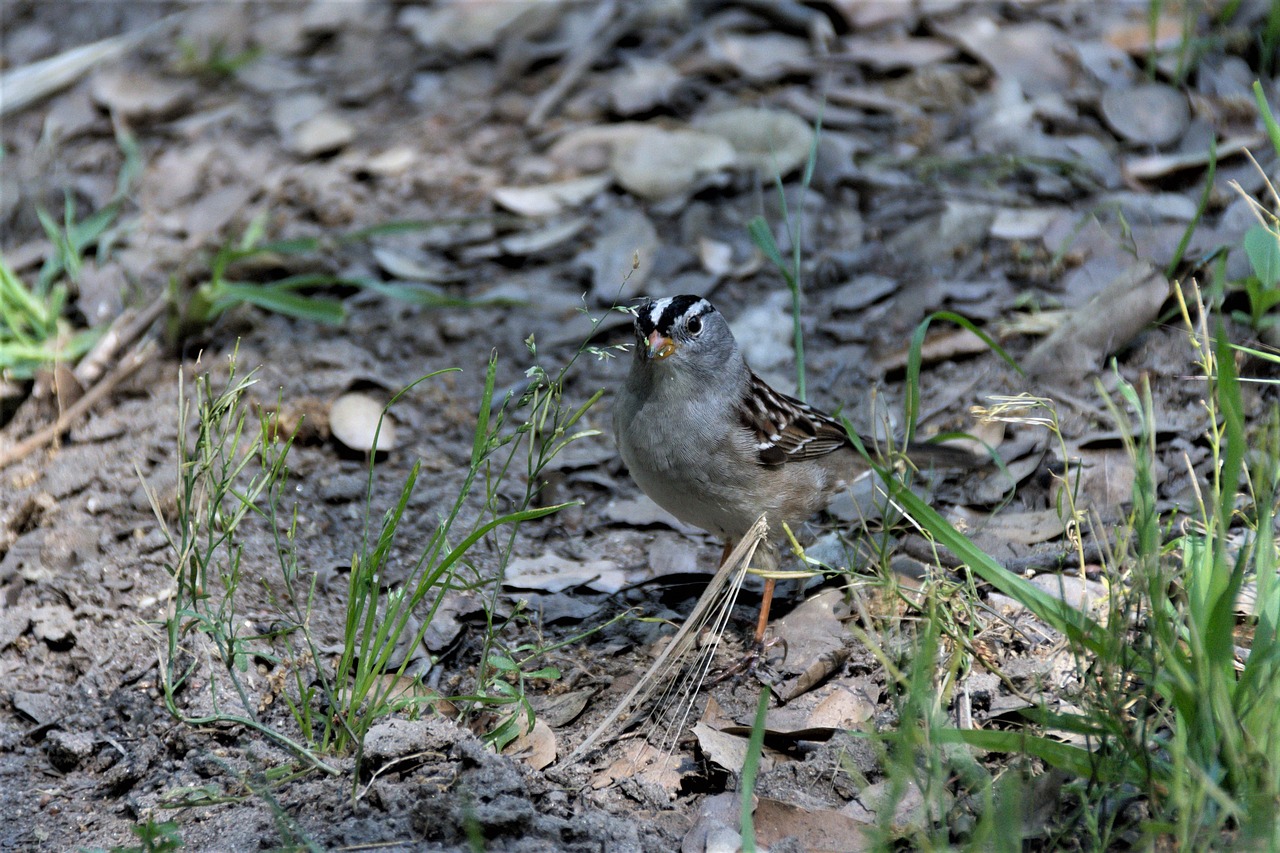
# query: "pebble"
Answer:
x=66 y=750
x=321 y=134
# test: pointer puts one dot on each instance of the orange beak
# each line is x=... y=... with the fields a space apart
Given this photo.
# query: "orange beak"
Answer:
x=659 y=347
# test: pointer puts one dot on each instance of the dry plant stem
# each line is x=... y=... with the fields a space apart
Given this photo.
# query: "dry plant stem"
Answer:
x=136 y=357
x=126 y=329
x=607 y=26
x=735 y=565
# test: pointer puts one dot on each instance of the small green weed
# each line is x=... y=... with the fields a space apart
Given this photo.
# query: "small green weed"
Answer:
x=33 y=331
x=153 y=837
x=1167 y=707
x=762 y=235
x=230 y=283
x=234 y=480
x=1261 y=243
x=215 y=61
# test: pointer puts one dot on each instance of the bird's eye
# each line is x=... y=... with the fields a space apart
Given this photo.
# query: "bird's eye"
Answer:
x=694 y=325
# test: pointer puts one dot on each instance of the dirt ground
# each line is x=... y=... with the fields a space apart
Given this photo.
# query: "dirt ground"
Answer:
x=1015 y=164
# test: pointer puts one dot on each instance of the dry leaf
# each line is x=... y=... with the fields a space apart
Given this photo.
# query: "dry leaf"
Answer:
x=642 y=761
x=816 y=830
x=536 y=747
x=1158 y=165
x=1107 y=323
x=550 y=199
x=661 y=163
x=553 y=573
x=728 y=751
x=774 y=142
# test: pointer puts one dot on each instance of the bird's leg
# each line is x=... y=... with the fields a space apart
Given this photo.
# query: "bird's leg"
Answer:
x=766 y=602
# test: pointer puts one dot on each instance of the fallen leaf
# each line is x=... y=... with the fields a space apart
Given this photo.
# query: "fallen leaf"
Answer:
x=814 y=830
x=774 y=142
x=762 y=57
x=642 y=85
x=626 y=236
x=550 y=199
x=563 y=708
x=553 y=573
x=726 y=750
x=466 y=26
x=536 y=747
x=897 y=53
x=811 y=630
x=842 y=709
x=134 y=95
x=1077 y=348
x=323 y=133
x=543 y=239
x=1014 y=51
x=641 y=760
x=1141 y=37
x=1025 y=528
x=1144 y=168
x=658 y=163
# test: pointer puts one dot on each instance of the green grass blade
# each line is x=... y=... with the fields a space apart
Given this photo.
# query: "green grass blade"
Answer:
x=1064 y=756
x=1060 y=616
x=762 y=235
x=1262 y=245
x=1264 y=110
x=915 y=358
x=280 y=300
x=751 y=768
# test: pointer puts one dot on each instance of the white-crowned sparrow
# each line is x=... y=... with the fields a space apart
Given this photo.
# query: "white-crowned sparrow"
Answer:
x=709 y=441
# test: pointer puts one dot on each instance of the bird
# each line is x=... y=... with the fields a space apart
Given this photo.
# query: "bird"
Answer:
x=713 y=444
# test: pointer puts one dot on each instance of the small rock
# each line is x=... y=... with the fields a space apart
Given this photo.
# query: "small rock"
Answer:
x=356 y=419
x=54 y=624
x=394 y=739
x=321 y=134
x=67 y=750
x=75 y=543
x=13 y=624
x=140 y=96
x=39 y=707
x=1148 y=114
x=343 y=488
x=74 y=469
x=23 y=558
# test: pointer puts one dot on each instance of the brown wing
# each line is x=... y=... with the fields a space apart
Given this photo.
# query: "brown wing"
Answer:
x=787 y=430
